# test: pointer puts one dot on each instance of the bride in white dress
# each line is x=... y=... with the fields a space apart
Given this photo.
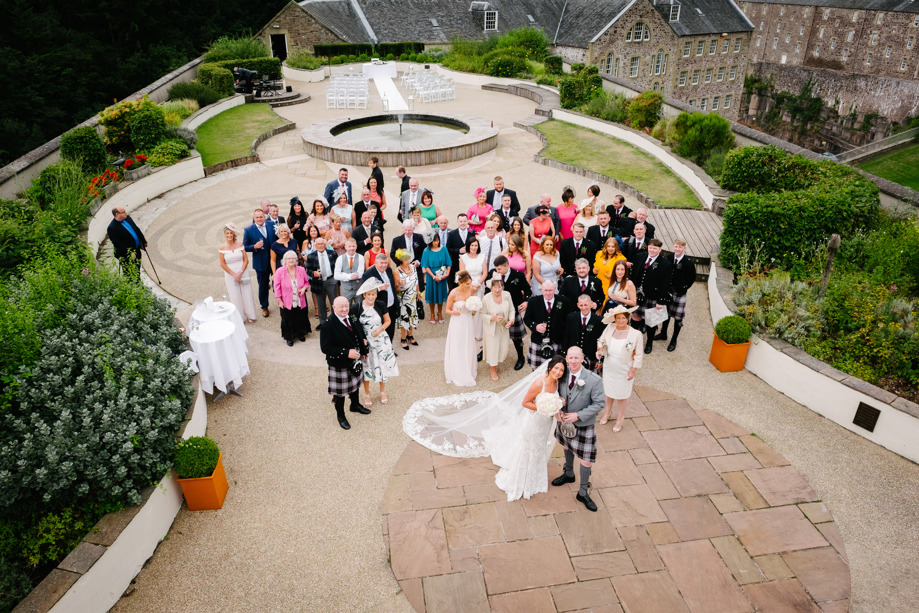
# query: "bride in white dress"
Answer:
x=505 y=426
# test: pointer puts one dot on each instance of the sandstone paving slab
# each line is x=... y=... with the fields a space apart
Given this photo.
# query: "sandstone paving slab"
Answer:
x=662 y=533
x=418 y=544
x=726 y=503
x=695 y=518
x=821 y=571
x=733 y=445
x=455 y=592
x=719 y=426
x=531 y=601
x=651 y=394
x=830 y=532
x=543 y=525
x=763 y=452
x=658 y=481
x=631 y=505
x=836 y=606
x=513 y=520
x=746 y=493
x=741 y=565
x=646 y=423
x=474 y=524
x=422 y=481
x=510 y=567
x=641 y=549
x=643 y=456
x=675 y=413
x=556 y=500
x=465 y=559
x=694 y=477
x=734 y=462
x=774 y=530
x=603 y=565
x=614 y=468
x=587 y=533
x=649 y=593
x=636 y=408
x=703 y=579
x=683 y=444
x=414 y=459
x=773 y=567
x=483 y=492
x=466 y=471
x=438 y=498
x=781 y=485
x=780 y=597
x=817 y=512
x=627 y=438
x=398 y=495
x=414 y=593
x=584 y=595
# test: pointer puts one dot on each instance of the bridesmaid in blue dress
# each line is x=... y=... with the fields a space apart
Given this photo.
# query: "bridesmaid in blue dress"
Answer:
x=435 y=262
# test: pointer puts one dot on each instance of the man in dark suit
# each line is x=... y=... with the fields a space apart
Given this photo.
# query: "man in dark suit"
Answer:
x=545 y=317
x=635 y=245
x=387 y=292
x=583 y=329
x=343 y=342
x=362 y=232
x=651 y=273
x=495 y=197
x=506 y=212
x=570 y=249
x=341 y=183
x=400 y=172
x=375 y=173
x=682 y=276
x=544 y=200
x=457 y=242
x=519 y=288
x=363 y=204
x=618 y=211
x=127 y=240
x=320 y=268
x=603 y=230
x=627 y=227
x=257 y=240
x=582 y=282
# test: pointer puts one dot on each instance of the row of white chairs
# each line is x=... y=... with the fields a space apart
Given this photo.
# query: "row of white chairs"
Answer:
x=432 y=87
x=346 y=100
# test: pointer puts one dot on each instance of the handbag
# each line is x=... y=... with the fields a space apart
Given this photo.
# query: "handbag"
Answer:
x=654 y=317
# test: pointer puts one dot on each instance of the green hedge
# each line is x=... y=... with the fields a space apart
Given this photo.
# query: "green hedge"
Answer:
x=553 y=64
x=580 y=86
x=217 y=78
x=697 y=135
x=766 y=169
x=195 y=90
x=505 y=65
x=334 y=49
x=148 y=125
x=398 y=49
x=270 y=66
x=644 y=109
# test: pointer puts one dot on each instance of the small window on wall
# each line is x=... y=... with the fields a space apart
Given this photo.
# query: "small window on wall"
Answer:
x=854 y=16
x=721 y=74
x=616 y=67
x=708 y=75
x=658 y=62
x=845 y=54
x=638 y=33
x=826 y=14
x=801 y=31
x=903 y=64
x=725 y=46
x=909 y=42
x=733 y=74
x=807 y=11
x=778 y=27
x=683 y=79
x=887 y=52
x=775 y=43
x=674 y=12
x=916 y=21
x=850 y=36
x=633 y=67
x=788 y=38
x=874 y=38
x=704 y=104
x=817 y=50
x=820 y=32
x=727 y=101
x=695 y=76
x=868 y=59
x=713 y=47
x=715 y=102
x=687 y=49
x=759 y=40
x=491 y=21
x=797 y=47
x=833 y=43
x=738 y=43
x=781 y=10
x=700 y=47
x=609 y=64
x=880 y=18
x=656 y=86
x=692 y=103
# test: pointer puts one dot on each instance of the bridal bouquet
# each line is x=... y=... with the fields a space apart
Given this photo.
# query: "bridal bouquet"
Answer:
x=441 y=272
x=473 y=303
x=548 y=404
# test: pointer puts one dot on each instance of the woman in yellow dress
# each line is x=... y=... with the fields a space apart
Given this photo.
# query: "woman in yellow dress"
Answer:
x=604 y=264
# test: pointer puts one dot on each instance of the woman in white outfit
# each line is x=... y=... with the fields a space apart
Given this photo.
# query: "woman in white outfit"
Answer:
x=473 y=262
x=234 y=261
x=622 y=349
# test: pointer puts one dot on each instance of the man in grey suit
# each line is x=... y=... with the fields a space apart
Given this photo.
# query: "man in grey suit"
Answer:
x=583 y=394
x=410 y=199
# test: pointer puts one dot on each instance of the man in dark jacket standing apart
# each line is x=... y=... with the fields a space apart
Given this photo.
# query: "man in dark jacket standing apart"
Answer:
x=343 y=342
x=128 y=240
x=682 y=276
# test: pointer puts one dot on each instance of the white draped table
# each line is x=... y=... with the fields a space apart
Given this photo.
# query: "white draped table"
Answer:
x=382 y=70
x=220 y=311
x=221 y=355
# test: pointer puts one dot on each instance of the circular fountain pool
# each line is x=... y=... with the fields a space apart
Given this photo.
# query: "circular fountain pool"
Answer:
x=400 y=139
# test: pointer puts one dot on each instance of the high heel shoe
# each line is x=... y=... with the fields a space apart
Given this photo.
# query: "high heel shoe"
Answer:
x=617 y=428
x=603 y=419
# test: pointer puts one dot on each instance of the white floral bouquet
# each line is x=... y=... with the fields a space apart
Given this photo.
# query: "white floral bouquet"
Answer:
x=548 y=404
x=473 y=303
x=440 y=272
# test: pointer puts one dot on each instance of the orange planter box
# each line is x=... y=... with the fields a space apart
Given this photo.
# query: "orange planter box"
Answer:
x=728 y=358
x=206 y=493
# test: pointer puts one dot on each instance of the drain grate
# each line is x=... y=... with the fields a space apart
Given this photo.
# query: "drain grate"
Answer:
x=866 y=416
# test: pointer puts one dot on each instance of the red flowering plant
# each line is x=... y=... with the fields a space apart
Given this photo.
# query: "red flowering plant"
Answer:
x=135 y=162
x=97 y=184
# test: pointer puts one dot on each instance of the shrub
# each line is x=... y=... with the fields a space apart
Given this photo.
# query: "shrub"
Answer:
x=580 y=87
x=607 y=106
x=269 y=66
x=644 y=109
x=775 y=304
x=399 y=48
x=345 y=49
x=168 y=152
x=303 y=60
x=177 y=110
x=714 y=166
x=217 y=78
x=533 y=40
x=506 y=66
x=203 y=94
x=196 y=457
x=85 y=146
x=659 y=131
x=335 y=61
x=15 y=583
x=697 y=135
x=148 y=125
x=25 y=231
x=229 y=48
x=389 y=57
x=545 y=79
x=61 y=189
x=553 y=64
x=766 y=169
x=189 y=136
x=733 y=329
x=116 y=120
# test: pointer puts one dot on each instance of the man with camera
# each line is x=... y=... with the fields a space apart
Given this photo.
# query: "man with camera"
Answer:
x=545 y=317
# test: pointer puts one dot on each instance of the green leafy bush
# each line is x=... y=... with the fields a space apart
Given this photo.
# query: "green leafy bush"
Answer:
x=335 y=61
x=534 y=40
x=168 y=152
x=887 y=255
x=714 y=166
x=697 y=135
x=580 y=87
x=195 y=90
x=116 y=121
x=196 y=457
x=399 y=48
x=24 y=237
x=304 y=60
x=339 y=49
x=546 y=79
x=733 y=329
x=189 y=136
x=217 y=78
x=644 y=109
x=766 y=169
x=230 y=48
x=148 y=125
x=607 y=106
x=62 y=190
x=85 y=146
x=177 y=110
x=506 y=66
x=553 y=64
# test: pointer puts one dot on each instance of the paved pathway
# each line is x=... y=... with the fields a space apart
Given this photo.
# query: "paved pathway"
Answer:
x=695 y=515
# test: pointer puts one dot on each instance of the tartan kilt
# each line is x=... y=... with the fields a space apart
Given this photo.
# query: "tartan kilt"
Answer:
x=584 y=445
x=533 y=358
x=518 y=329
x=343 y=381
x=677 y=307
x=644 y=305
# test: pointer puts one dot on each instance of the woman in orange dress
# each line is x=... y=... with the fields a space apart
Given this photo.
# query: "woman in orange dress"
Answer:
x=376 y=195
x=376 y=248
x=605 y=262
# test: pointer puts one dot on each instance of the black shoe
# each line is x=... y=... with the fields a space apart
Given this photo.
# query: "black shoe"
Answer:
x=519 y=364
x=563 y=479
x=290 y=343
x=479 y=358
x=343 y=422
x=591 y=506
x=672 y=345
x=661 y=336
x=360 y=410
x=302 y=339
x=649 y=345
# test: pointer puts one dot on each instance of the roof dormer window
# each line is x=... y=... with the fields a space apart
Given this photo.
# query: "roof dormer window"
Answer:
x=638 y=33
x=674 y=12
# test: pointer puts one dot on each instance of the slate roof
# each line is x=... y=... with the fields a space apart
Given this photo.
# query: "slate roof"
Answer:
x=894 y=6
x=706 y=17
x=585 y=19
x=338 y=16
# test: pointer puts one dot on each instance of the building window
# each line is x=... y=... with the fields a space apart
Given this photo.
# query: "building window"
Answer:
x=903 y=64
x=807 y=11
x=909 y=42
x=727 y=101
x=703 y=104
x=820 y=32
x=845 y=54
x=692 y=103
x=798 y=47
x=687 y=48
x=781 y=10
x=683 y=79
x=759 y=40
x=775 y=43
x=880 y=18
x=695 y=76
x=659 y=62
x=916 y=21
x=887 y=52
x=778 y=27
x=738 y=43
x=491 y=20
x=761 y=24
x=715 y=101
x=854 y=16
x=656 y=86
x=725 y=45
x=664 y=67
x=874 y=38
x=801 y=31
x=616 y=67
x=633 y=67
x=708 y=75
x=833 y=43
x=868 y=59
x=721 y=73
x=765 y=9
x=850 y=36
x=826 y=14
x=788 y=38
x=674 y=12
x=638 y=33
x=700 y=47
x=733 y=74
x=713 y=47
x=608 y=69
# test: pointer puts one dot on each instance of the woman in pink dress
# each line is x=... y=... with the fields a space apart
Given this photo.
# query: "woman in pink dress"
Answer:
x=478 y=213
x=541 y=226
x=460 y=366
x=516 y=256
x=567 y=211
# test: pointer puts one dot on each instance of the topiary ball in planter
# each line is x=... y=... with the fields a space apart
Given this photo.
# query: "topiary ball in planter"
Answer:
x=733 y=329
x=196 y=457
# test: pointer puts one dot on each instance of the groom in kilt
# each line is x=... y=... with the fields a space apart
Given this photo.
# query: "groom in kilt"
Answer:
x=342 y=341
x=583 y=394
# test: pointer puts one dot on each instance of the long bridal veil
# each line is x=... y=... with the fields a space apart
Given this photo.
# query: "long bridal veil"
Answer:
x=456 y=425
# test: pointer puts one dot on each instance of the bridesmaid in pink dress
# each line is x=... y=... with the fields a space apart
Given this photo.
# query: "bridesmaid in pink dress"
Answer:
x=480 y=209
x=567 y=211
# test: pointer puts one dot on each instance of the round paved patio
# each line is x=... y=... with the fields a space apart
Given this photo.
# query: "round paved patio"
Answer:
x=301 y=528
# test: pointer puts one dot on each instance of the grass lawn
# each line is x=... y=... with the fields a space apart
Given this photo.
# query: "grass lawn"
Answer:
x=230 y=134
x=901 y=166
x=614 y=158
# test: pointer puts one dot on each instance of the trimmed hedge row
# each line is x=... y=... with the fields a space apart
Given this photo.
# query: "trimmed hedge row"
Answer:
x=218 y=79
x=383 y=49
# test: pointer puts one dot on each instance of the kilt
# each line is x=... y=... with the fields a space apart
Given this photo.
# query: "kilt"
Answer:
x=677 y=308
x=518 y=329
x=583 y=445
x=644 y=305
x=533 y=358
x=344 y=381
